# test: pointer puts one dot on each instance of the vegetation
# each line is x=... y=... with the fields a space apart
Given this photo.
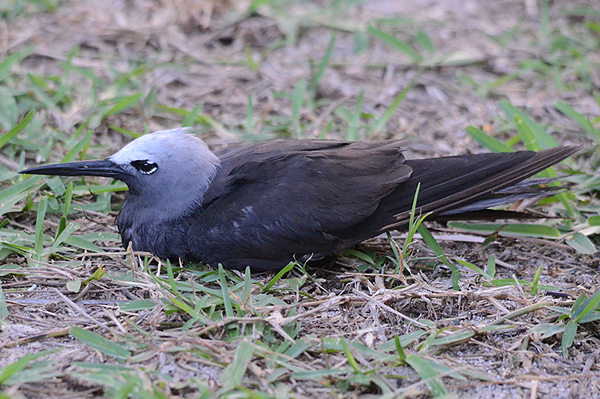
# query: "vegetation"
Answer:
x=401 y=316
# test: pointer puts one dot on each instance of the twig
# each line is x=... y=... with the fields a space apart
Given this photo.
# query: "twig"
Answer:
x=522 y=311
x=84 y=313
x=389 y=309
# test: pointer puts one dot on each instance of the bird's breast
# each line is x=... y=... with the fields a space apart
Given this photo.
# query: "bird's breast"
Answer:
x=163 y=238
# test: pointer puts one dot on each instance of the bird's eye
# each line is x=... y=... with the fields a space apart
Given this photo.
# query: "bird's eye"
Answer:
x=146 y=167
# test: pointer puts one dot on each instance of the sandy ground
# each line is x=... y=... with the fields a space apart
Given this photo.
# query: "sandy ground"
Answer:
x=199 y=56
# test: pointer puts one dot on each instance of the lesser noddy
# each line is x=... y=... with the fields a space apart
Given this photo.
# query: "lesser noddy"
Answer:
x=265 y=204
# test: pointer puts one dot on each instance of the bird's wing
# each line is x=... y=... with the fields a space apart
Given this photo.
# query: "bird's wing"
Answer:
x=464 y=183
x=271 y=200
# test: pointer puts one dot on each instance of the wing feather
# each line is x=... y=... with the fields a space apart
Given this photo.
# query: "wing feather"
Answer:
x=274 y=199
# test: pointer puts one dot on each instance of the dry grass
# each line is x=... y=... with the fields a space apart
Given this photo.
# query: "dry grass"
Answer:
x=119 y=67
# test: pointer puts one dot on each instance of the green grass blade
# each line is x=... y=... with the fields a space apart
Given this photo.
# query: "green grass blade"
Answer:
x=137 y=305
x=578 y=302
x=126 y=132
x=405 y=340
x=361 y=41
x=322 y=66
x=577 y=118
x=532 y=143
x=61 y=226
x=234 y=372
x=247 y=285
x=78 y=147
x=456 y=337
x=426 y=372
x=594 y=220
x=399 y=349
x=3 y=309
x=189 y=310
x=68 y=198
x=350 y=357
x=505 y=282
x=412 y=229
x=62 y=237
x=9 y=110
x=83 y=243
x=432 y=243
x=278 y=276
x=297 y=104
x=526 y=133
x=476 y=269
x=487 y=141
x=362 y=256
x=56 y=185
x=190 y=119
x=395 y=249
x=15 y=367
x=124 y=103
x=39 y=86
x=298 y=348
x=171 y=279
x=581 y=244
x=352 y=134
x=544 y=139
x=491 y=266
x=20 y=188
x=536 y=280
x=588 y=318
x=568 y=337
x=252 y=64
x=39 y=228
x=100 y=343
x=319 y=375
x=509 y=230
x=435 y=247
x=589 y=305
x=424 y=41
x=15 y=130
x=250 y=124
x=547 y=330
x=201 y=119
x=393 y=42
x=225 y=292
x=392 y=108
x=9 y=61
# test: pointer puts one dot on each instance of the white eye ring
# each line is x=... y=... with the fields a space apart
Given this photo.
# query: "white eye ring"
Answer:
x=145 y=167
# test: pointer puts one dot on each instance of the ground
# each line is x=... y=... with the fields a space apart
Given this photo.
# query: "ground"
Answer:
x=80 y=317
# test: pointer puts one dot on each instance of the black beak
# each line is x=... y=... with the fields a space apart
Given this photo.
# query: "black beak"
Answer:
x=104 y=167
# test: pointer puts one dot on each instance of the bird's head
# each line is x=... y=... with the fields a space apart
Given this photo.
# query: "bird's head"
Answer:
x=152 y=166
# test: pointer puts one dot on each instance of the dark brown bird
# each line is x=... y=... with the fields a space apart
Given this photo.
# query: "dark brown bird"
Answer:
x=265 y=204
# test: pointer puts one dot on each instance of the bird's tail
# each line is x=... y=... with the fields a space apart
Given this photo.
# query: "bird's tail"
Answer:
x=460 y=185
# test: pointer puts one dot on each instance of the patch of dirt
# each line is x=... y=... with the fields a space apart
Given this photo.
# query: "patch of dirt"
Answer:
x=212 y=40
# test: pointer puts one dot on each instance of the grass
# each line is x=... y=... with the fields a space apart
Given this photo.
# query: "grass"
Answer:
x=388 y=323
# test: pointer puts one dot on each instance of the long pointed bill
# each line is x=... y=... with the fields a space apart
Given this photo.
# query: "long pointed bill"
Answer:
x=104 y=167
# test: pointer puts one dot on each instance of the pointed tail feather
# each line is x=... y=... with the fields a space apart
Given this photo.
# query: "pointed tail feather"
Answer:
x=475 y=182
x=526 y=189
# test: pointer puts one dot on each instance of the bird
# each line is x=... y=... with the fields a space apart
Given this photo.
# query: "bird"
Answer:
x=263 y=205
